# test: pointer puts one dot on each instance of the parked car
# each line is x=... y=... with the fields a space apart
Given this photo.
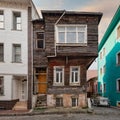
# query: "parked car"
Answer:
x=100 y=101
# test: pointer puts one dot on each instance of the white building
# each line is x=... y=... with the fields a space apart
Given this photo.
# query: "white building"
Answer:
x=15 y=42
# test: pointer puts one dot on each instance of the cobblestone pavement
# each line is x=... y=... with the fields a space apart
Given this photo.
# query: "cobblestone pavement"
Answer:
x=101 y=114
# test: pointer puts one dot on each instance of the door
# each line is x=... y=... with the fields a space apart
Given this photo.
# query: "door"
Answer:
x=42 y=83
x=23 y=90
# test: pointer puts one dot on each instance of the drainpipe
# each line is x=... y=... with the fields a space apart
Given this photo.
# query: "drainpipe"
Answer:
x=55 y=35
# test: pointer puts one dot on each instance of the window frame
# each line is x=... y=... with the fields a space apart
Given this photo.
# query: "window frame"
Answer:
x=60 y=103
x=40 y=40
x=76 y=32
x=75 y=104
x=73 y=82
x=15 y=23
x=118 y=32
x=117 y=59
x=55 y=83
x=14 y=53
x=117 y=85
x=2 y=53
x=2 y=21
x=2 y=86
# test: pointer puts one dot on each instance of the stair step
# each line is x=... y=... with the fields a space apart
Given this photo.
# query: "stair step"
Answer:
x=20 y=106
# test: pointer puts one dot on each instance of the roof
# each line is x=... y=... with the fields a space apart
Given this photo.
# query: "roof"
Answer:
x=110 y=28
x=99 y=14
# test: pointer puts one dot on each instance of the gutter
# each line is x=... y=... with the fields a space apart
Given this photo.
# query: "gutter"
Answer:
x=55 y=35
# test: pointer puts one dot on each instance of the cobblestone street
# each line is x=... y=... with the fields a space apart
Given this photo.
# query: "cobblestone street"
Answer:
x=100 y=113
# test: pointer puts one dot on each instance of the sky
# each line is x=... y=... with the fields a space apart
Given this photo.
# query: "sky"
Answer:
x=107 y=7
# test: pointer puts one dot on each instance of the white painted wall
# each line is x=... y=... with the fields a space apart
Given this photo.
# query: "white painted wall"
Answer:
x=9 y=37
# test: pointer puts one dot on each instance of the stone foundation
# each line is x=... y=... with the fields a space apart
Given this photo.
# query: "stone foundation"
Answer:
x=67 y=102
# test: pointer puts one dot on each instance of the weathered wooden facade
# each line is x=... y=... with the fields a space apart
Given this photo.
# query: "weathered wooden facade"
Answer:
x=64 y=46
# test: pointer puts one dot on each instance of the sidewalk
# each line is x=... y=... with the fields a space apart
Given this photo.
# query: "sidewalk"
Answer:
x=42 y=111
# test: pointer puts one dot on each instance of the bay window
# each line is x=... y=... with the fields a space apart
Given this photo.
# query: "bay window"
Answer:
x=71 y=34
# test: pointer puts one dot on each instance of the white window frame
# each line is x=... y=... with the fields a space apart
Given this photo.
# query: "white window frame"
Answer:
x=15 y=23
x=76 y=101
x=117 y=85
x=71 y=25
x=14 y=54
x=2 y=86
x=55 y=83
x=73 y=82
x=2 y=21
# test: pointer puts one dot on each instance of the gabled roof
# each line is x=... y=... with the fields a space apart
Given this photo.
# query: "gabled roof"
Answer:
x=110 y=28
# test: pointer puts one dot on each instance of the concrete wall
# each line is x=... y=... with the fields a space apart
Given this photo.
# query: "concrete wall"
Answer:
x=9 y=37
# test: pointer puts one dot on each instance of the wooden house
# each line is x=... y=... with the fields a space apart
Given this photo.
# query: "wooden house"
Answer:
x=64 y=46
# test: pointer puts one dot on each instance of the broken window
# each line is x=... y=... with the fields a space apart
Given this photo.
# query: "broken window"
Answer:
x=16 y=53
x=17 y=22
x=59 y=102
x=1 y=19
x=1 y=85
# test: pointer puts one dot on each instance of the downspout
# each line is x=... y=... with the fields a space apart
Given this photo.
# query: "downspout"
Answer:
x=55 y=35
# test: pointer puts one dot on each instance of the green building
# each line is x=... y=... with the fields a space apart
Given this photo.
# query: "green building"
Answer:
x=109 y=62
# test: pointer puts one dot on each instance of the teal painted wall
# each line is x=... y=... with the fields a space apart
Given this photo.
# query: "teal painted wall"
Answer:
x=112 y=72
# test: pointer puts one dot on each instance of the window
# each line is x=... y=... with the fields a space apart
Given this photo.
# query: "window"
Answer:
x=71 y=34
x=1 y=52
x=104 y=51
x=100 y=55
x=1 y=85
x=74 y=102
x=59 y=102
x=118 y=85
x=17 y=53
x=74 y=75
x=118 y=58
x=104 y=69
x=104 y=87
x=1 y=19
x=58 y=75
x=17 y=21
x=100 y=71
x=118 y=32
x=40 y=40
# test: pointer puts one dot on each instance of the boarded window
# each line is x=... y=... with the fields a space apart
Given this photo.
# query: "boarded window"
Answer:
x=1 y=52
x=59 y=102
x=17 y=53
x=17 y=22
x=1 y=19
x=74 y=102
x=1 y=85
x=40 y=40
